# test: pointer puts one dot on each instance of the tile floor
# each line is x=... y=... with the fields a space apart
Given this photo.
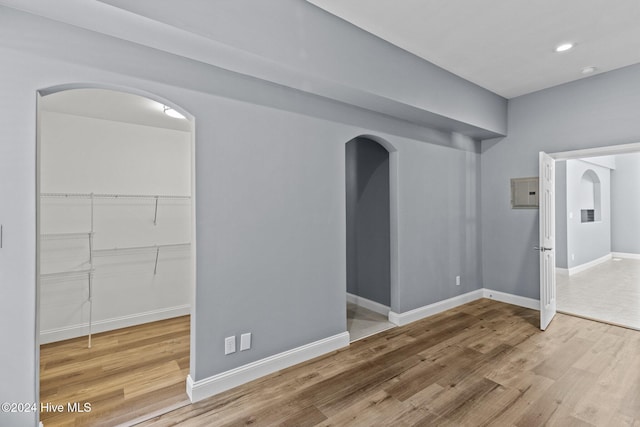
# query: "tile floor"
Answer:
x=362 y=322
x=608 y=292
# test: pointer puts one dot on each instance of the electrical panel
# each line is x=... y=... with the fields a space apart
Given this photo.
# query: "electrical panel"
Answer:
x=524 y=193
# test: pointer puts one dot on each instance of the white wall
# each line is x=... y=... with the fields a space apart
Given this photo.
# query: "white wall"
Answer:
x=561 y=214
x=587 y=241
x=625 y=204
x=85 y=154
x=89 y=155
x=606 y=161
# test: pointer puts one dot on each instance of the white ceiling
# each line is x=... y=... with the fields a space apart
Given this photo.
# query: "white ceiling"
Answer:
x=114 y=106
x=506 y=46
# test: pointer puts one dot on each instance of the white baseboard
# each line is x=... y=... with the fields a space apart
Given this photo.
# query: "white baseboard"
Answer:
x=625 y=255
x=588 y=265
x=525 y=302
x=201 y=389
x=401 y=319
x=368 y=304
x=74 y=331
x=562 y=271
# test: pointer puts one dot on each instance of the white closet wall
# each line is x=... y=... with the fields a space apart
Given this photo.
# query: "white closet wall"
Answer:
x=82 y=155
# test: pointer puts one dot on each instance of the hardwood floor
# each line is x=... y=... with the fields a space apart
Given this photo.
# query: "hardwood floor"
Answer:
x=484 y=363
x=127 y=373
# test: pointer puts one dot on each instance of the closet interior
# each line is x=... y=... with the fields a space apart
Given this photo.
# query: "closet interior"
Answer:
x=115 y=213
x=112 y=260
x=115 y=223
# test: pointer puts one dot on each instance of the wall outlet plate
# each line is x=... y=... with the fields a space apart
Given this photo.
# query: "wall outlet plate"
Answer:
x=245 y=341
x=229 y=345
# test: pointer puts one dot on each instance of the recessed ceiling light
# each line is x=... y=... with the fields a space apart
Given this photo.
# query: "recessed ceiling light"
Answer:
x=564 y=47
x=588 y=70
x=172 y=113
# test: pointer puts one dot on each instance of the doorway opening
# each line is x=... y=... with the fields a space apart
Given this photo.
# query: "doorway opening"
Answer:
x=598 y=257
x=115 y=255
x=369 y=237
x=597 y=269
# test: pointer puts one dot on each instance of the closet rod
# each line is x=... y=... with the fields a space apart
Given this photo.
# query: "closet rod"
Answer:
x=113 y=196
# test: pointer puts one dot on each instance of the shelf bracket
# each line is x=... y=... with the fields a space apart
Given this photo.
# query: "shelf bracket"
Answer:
x=90 y=306
x=155 y=268
x=155 y=216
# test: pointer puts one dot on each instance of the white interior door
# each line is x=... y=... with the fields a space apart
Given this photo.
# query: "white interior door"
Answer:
x=547 y=240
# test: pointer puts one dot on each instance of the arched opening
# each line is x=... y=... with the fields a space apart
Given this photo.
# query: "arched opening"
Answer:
x=115 y=260
x=590 y=197
x=369 y=237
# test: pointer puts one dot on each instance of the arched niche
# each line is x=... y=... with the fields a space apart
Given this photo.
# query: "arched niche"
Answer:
x=590 y=197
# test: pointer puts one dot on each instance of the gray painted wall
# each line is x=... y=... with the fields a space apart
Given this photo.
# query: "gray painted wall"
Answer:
x=45 y=38
x=591 y=240
x=270 y=199
x=335 y=59
x=601 y=110
x=438 y=234
x=625 y=204
x=368 y=216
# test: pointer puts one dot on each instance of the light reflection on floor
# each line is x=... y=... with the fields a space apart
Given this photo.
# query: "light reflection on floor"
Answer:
x=362 y=322
x=609 y=292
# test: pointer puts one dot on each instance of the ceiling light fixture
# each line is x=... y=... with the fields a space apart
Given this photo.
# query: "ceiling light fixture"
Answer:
x=588 y=70
x=564 y=47
x=172 y=113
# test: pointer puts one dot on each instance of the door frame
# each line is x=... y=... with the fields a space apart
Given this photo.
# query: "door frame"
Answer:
x=609 y=150
x=394 y=292
x=124 y=89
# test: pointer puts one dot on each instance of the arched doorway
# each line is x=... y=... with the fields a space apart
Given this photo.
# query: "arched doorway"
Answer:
x=369 y=240
x=115 y=260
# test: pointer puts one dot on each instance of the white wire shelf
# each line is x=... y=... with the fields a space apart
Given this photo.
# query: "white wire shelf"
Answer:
x=66 y=275
x=56 y=236
x=118 y=251
x=88 y=274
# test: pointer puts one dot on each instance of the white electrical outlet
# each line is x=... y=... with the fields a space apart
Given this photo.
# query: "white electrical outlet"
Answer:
x=573 y=257
x=457 y=280
x=229 y=345
x=245 y=341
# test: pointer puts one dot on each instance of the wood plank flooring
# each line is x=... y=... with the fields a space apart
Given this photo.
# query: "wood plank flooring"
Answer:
x=484 y=363
x=125 y=374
